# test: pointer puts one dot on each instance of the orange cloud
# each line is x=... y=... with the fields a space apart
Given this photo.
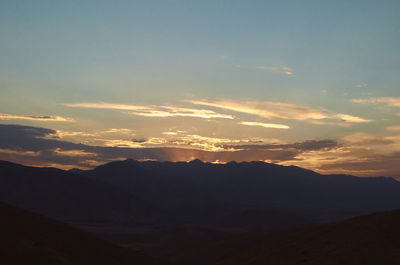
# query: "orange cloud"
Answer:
x=4 y=116
x=73 y=153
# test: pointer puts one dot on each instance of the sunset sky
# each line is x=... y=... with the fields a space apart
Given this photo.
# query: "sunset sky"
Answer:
x=307 y=83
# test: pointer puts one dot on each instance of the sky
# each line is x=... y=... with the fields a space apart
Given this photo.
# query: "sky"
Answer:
x=307 y=83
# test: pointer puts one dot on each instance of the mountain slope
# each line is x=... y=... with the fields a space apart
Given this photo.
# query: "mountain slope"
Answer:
x=256 y=184
x=69 y=197
x=177 y=197
x=372 y=239
x=28 y=238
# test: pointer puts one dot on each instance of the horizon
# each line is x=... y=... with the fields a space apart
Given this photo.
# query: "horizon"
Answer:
x=191 y=162
x=312 y=84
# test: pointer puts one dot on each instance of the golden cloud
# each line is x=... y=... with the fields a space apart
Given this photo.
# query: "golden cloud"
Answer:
x=4 y=116
x=265 y=125
x=155 y=111
x=73 y=153
x=277 y=110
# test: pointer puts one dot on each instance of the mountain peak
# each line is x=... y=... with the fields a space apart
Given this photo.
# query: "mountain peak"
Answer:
x=196 y=162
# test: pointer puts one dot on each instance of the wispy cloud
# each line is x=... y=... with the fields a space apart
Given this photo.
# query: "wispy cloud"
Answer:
x=278 y=110
x=105 y=105
x=393 y=128
x=362 y=138
x=155 y=111
x=286 y=70
x=362 y=84
x=4 y=116
x=73 y=153
x=350 y=118
x=119 y=130
x=265 y=125
x=389 y=101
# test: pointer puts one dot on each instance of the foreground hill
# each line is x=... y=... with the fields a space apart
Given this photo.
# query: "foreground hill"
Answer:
x=28 y=238
x=69 y=197
x=370 y=240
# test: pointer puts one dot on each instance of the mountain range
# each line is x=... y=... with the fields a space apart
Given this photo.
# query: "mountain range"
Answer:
x=197 y=213
x=130 y=192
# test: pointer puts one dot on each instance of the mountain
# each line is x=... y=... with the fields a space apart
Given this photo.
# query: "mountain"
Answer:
x=370 y=240
x=210 y=188
x=29 y=238
x=201 y=213
x=70 y=197
x=179 y=198
x=233 y=195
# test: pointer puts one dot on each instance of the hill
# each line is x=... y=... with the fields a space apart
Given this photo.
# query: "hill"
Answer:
x=29 y=238
x=371 y=240
x=70 y=197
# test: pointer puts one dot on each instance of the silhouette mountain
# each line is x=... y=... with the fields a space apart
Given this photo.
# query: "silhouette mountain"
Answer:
x=29 y=238
x=235 y=195
x=183 y=198
x=66 y=196
x=208 y=188
x=201 y=213
x=177 y=197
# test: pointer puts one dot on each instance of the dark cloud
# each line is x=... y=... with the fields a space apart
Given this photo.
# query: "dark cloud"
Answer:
x=310 y=145
x=16 y=141
x=369 y=164
x=139 y=140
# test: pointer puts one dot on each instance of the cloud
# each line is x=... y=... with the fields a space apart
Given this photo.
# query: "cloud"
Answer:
x=366 y=139
x=277 y=69
x=104 y=105
x=35 y=146
x=155 y=111
x=364 y=163
x=4 y=116
x=59 y=151
x=309 y=145
x=389 y=101
x=350 y=118
x=360 y=154
x=277 y=110
x=393 y=128
x=170 y=133
x=118 y=130
x=265 y=125
x=362 y=84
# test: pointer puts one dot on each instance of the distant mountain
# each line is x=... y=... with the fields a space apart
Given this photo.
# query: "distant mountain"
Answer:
x=70 y=197
x=369 y=240
x=233 y=195
x=201 y=213
x=177 y=196
x=29 y=238
x=204 y=186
